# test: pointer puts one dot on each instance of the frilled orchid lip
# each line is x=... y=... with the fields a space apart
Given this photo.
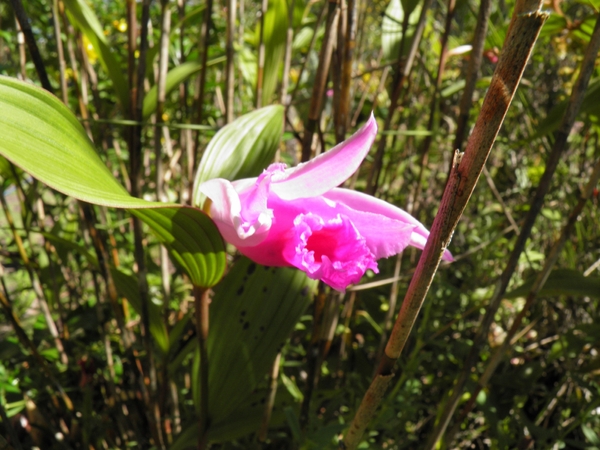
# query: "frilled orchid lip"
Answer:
x=332 y=250
x=299 y=217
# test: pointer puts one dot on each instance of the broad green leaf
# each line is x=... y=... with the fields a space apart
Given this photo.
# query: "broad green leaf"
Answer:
x=247 y=62
x=84 y=18
x=127 y=286
x=562 y=282
x=253 y=312
x=192 y=239
x=241 y=149
x=41 y=136
x=175 y=77
x=391 y=29
x=274 y=36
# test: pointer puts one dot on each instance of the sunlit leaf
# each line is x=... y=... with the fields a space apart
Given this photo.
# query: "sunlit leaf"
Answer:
x=41 y=136
x=84 y=18
x=175 y=77
x=241 y=149
x=391 y=29
x=192 y=239
x=274 y=36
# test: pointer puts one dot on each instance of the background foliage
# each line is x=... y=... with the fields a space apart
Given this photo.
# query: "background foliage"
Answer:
x=78 y=370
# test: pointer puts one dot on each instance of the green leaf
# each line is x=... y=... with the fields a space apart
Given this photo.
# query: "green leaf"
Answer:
x=274 y=36
x=84 y=18
x=241 y=149
x=41 y=136
x=192 y=239
x=127 y=286
x=253 y=312
x=562 y=282
x=590 y=435
x=391 y=28
x=175 y=77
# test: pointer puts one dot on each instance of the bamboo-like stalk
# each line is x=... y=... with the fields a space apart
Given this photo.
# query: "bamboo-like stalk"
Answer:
x=60 y=52
x=131 y=48
x=312 y=359
x=287 y=57
x=161 y=82
x=36 y=285
x=80 y=82
x=559 y=147
x=316 y=99
x=432 y=125
x=524 y=28
x=260 y=71
x=261 y=436
x=485 y=9
x=201 y=305
x=163 y=65
x=229 y=66
x=159 y=131
x=389 y=316
x=135 y=152
x=539 y=282
x=403 y=70
x=337 y=61
x=28 y=344
x=343 y=111
x=34 y=52
x=22 y=53
x=201 y=84
x=311 y=46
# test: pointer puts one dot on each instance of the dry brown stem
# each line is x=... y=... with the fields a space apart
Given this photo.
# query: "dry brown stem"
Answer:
x=523 y=30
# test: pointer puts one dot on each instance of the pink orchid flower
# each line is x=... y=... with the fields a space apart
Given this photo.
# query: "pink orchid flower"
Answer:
x=298 y=217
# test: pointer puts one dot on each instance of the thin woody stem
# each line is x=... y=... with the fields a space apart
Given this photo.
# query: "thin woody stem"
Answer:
x=538 y=284
x=558 y=149
x=201 y=302
x=523 y=30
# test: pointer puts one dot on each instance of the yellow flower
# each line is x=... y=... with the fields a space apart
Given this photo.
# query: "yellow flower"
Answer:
x=89 y=50
x=122 y=25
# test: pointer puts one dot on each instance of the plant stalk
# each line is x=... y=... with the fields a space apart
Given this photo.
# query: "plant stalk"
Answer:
x=559 y=147
x=523 y=30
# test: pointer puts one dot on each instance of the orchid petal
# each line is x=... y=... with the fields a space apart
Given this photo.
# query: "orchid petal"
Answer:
x=363 y=202
x=329 y=169
x=226 y=212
